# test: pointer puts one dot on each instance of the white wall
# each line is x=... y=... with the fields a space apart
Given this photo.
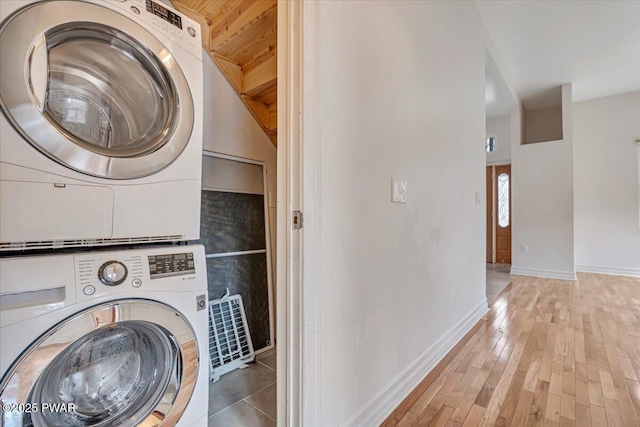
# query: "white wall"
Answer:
x=607 y=230
x=407 y=102
x=500 y=127
x=229 y=128
x=542 y=203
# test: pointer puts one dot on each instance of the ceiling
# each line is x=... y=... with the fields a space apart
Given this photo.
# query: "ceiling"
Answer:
x=593 y=44
x=498 y=99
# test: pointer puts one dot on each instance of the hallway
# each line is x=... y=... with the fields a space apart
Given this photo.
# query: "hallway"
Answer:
x=549 y=352
x=498 y=278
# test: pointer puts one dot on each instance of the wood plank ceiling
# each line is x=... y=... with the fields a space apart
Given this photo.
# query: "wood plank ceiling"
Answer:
x=241 y=37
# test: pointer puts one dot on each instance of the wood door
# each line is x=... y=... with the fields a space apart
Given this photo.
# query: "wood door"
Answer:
x=490 y=215
x=503 y=213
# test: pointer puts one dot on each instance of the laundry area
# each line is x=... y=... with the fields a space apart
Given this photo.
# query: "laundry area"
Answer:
x=137 y=221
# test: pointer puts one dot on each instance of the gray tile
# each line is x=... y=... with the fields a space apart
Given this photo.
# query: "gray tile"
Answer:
x=265 y=401
x=241 y=415
x=268 y=358
x=238 y=384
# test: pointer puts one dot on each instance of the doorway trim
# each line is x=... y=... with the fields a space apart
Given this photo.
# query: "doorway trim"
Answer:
x=289 y=260
x=297 y=310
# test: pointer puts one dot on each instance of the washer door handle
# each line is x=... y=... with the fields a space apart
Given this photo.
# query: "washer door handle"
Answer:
x=38 y=72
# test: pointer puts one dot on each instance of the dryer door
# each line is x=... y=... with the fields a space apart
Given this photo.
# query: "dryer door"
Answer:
x=93 y=90
x=124 y=363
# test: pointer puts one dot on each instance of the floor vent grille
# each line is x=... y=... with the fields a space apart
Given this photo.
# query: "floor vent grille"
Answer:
x=230 y=343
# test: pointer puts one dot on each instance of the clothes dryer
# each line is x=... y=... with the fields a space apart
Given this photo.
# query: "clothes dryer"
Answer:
x=101 y=124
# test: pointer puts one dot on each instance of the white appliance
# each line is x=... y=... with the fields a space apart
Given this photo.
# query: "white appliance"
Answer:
x=101 y=124
x=105 y=338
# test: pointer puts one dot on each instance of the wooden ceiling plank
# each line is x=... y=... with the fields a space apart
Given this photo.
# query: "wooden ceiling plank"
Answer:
x=261 y=77
x=259 y=111
x=273 y=117
x=212 y=10
x=240 y=19
x=269 y=95
x=260 y=57
x=231 y=70
x=255 y=38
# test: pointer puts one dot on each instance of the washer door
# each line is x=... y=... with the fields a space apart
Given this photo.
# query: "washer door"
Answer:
x=124 y=363
x=93 y=90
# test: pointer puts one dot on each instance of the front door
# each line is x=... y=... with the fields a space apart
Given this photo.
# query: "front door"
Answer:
x=503 y=213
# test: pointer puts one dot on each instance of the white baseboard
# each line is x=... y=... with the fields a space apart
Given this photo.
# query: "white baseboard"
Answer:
x=376 y=410
x=549 y=274
x=617 y=271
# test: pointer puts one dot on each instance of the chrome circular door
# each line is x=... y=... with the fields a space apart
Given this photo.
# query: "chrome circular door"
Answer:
x=124 y=363
x=93 y=90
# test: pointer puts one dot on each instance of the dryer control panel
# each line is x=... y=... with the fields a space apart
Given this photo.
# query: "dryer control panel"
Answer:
x=171 y=23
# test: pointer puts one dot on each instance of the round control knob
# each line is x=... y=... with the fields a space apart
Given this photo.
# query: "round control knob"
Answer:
x=112 y=273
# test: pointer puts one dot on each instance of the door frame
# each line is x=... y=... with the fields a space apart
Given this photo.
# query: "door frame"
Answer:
x=288 y=308
x=490 y=206
x=298 y=159
x=494 y=205
x=267 y=232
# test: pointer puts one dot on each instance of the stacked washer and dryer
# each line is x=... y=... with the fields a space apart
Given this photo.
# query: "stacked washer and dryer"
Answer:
x=103 y=318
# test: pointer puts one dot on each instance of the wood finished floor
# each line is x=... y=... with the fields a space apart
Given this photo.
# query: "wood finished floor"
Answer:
x=548 y=353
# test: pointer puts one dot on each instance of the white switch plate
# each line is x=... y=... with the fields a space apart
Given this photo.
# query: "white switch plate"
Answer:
x=398 y=191
x=478 y=198
x=523 y=249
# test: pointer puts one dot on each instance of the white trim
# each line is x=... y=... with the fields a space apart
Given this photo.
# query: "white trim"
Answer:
x=226 y=254
x=376 y=410
x=616 y=271
x=227 y=190
x=549 y=274
x=499 y=163
x=289 y=308
x=209 y=153
x=312 y=274
x=270 y=274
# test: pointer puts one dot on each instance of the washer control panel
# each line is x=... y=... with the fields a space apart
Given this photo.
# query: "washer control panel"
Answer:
x=139 y=272
x=112 y=273
x=167 y=265
x=98 y=270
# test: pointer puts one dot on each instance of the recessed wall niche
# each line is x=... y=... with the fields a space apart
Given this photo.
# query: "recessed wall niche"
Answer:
x=544 y=123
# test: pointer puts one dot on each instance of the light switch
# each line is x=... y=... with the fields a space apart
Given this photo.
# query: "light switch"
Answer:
x=478 y=199
x=399 y=191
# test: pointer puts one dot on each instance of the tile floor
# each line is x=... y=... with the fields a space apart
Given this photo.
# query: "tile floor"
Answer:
x=498 y=278
x=245 y=397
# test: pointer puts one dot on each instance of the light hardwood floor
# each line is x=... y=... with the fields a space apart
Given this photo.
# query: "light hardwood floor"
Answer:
x=549 y=352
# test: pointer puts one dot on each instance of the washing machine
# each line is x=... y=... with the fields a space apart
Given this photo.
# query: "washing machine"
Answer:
x=101 y=124
x=105 y=338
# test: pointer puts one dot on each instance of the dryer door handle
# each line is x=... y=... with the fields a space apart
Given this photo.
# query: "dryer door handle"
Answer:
x=38 y=72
